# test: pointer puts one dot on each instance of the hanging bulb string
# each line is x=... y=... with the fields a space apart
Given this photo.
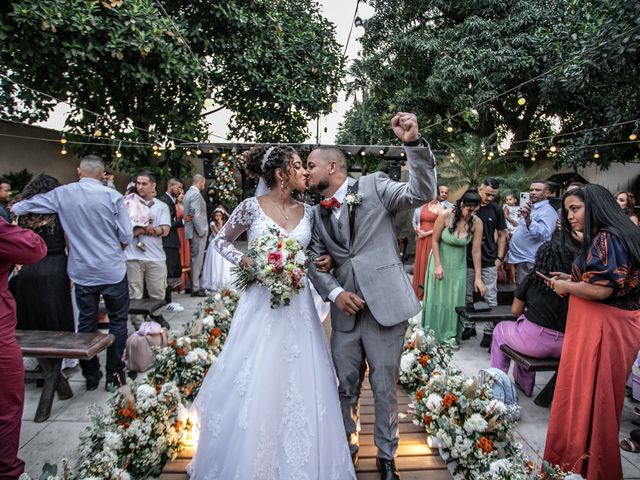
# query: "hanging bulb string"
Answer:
x=537 y=77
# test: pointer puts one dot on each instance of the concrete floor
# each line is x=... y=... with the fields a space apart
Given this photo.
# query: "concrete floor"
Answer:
x=58 y=437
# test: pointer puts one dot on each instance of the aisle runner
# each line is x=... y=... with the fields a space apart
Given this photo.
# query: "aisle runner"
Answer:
x=415 y=460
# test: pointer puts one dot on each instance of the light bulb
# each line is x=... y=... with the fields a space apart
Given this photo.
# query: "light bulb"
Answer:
x=381 y=151
x=208 y=102
x=363 y=153
x=63 y=140
x=97 y=132
x=188 y=152
x=634 y=136
x=596 y=154
x=450 y=129
x=154 y=147
x=553 y=149
x=118 y=154
x=452 y=155
x=63 y=151
x=198 y=152
x=521 y=99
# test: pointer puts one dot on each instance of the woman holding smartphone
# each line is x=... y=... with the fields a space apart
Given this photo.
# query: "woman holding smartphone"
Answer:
x=602 y=336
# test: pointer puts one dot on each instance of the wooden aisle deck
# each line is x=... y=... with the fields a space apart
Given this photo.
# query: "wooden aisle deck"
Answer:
x=415 y=460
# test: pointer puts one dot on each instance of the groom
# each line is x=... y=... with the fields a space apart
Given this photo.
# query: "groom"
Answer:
x=371 y=295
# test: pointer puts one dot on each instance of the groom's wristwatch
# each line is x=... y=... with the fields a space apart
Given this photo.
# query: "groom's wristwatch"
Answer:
x=416 y=143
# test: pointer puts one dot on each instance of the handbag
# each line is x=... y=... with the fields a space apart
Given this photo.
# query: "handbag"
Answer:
x=139 y=355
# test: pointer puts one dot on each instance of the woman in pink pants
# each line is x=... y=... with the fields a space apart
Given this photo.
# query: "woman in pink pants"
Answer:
x=539 y=331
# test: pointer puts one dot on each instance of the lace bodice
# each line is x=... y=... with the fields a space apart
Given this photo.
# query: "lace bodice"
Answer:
x=249 y=217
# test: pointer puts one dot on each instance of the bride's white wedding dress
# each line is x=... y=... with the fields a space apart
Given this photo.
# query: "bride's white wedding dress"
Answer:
x=269 y=408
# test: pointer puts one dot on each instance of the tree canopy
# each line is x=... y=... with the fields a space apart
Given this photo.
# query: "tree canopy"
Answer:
x=441 y=59
x=276 y=65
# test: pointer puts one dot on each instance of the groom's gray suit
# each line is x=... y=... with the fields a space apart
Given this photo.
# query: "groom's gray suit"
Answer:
x=367 y=262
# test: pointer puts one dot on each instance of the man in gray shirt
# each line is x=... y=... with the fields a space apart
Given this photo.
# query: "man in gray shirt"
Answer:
x=98 y=229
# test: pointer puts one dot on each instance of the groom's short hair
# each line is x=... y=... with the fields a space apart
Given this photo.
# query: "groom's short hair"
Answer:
x=333 y=154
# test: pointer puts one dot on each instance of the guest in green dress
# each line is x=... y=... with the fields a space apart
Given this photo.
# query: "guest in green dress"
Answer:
x=445 y=281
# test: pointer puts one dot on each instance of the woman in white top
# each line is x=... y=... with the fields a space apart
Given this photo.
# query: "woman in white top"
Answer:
x=216 y=272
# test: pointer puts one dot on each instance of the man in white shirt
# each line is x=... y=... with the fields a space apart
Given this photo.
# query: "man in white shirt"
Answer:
x=148 y=267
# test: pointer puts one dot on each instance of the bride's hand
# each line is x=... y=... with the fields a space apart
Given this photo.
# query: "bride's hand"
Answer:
x=246 y=262
x=324 y=263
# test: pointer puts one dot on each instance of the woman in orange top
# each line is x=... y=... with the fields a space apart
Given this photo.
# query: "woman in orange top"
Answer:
x=185 y=255
x=423 y=220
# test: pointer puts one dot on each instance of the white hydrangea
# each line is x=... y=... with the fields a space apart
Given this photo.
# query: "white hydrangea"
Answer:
x=496 y=406
x=145 y=391
x=207 y=321
x=112 y=440
x=120 y=474
x=434 y=402
x=500 y=466
x=407 y=361
x=475 y=423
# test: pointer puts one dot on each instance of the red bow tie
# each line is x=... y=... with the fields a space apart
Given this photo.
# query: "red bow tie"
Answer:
x=331 y=203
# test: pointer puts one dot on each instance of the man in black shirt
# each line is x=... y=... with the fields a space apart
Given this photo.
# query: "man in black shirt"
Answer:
x=493 y=221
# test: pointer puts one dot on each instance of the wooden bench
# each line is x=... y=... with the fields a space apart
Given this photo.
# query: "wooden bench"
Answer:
x=137 y=306
x=49 y=348
x=495 y=315
x=530 y=364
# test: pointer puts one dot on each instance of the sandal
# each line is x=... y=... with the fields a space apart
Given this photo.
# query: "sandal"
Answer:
x=636 y=410
x=630 y=445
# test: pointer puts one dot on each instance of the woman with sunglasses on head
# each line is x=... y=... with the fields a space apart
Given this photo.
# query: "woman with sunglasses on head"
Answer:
x=602 y=335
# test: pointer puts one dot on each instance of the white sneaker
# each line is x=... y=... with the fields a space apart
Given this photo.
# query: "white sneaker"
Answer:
x=174 y=307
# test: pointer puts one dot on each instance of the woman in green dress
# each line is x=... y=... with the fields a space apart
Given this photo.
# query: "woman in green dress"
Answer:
x=446 y=278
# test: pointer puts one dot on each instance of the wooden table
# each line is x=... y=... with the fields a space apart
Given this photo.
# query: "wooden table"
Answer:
x=50 y=348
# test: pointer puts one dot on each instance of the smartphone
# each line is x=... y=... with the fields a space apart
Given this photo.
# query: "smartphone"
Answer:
x=192 y=211
x=544 y=277
x=524 y=198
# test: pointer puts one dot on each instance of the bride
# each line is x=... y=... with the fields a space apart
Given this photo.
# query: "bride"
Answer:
x=269 y=408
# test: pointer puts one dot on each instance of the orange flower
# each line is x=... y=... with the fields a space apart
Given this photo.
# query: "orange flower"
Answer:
x=208 y=310
x=125 y=412
x=424 y=359
x=485 y=445
x=448 y=400
x=409 y=346
x=180 y=351
x=420 y=395
x=126 y=425
x=216 y=332
x=178 y=425
x=427 y=419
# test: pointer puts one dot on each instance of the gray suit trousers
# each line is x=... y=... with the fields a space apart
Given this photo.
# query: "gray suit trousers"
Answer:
x=197 y=245
x=381 y=347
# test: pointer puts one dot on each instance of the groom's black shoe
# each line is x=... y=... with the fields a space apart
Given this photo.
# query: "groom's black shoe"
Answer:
x=387 y=468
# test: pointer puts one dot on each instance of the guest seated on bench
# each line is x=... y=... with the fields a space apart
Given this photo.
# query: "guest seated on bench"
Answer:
x=539 y=332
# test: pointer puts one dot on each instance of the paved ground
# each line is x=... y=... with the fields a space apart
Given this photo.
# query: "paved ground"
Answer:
x=58 y=437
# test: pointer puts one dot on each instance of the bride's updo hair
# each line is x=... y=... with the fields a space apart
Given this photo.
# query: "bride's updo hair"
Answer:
x=279 y=157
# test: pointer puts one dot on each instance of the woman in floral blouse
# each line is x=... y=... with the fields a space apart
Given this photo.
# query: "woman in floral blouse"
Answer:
x=602 y=336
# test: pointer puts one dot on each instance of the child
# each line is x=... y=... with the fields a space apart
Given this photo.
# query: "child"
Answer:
x=511 y=215
x=139 y=211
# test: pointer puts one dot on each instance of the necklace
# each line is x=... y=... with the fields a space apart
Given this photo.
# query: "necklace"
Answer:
x=286 y=217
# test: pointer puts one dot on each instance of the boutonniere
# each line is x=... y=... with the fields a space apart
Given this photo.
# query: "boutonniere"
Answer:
x=353 y=199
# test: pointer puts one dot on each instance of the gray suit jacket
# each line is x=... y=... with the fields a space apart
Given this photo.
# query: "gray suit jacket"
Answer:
x=193 y=200
x=368 y=261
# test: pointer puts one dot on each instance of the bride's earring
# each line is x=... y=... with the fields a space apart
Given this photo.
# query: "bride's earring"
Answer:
x=282 y=185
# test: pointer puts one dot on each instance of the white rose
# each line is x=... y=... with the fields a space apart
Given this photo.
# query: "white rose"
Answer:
x=191 y=357
x=434 y=402
x=207 y=321
x=475 y=423
x=300 y=257
x=496 y=406
x=407 y=361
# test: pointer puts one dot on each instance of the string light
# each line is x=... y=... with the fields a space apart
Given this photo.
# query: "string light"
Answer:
x=553 y=149
x=63 y=151
x=363 y=152
x=634 y=135
x=596 y=154
x=154 y=147
x=118 y=153
x=381 y=152
x=198 y=152
x=224 y=155
x=188 y=153
x=63 y=139
x=449 y=127
x=521 y=100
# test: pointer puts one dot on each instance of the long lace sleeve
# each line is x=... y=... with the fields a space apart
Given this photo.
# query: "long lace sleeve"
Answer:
x=239 y=222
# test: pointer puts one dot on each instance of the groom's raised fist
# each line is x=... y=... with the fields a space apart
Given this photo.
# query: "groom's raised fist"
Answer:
x=405 y=126
x=349 y=303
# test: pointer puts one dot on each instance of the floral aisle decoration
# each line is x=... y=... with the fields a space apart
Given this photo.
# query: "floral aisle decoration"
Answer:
x=225 y=186
x=146 y=423
x=474 y=431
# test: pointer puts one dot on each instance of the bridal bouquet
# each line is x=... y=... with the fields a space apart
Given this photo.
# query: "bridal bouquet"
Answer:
x=279 y=263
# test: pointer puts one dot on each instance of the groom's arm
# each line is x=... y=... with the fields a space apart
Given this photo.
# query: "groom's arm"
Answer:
x=324 y=282
x=422 y=184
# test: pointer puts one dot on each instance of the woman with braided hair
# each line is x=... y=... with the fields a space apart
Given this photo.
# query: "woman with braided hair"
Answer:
x=539 y=331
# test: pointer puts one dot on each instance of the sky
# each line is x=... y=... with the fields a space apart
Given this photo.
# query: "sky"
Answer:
x=340 y=13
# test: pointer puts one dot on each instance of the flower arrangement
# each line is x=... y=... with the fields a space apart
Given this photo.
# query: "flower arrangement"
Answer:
x=421 y=355
x=473 y=427
x=225 y=185
x=279 y=263
x=134 y=435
